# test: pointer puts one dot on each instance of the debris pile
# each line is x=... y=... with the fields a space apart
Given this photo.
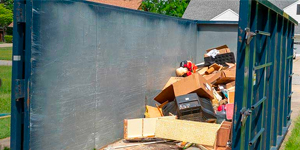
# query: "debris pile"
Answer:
x=195 y=108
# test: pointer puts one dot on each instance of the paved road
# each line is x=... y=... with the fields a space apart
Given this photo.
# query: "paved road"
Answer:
x=6 y=45
x=295 y=98
x=5 y=63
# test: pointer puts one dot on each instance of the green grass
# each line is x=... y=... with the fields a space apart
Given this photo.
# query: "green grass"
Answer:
x=5 y=90
x=294 y=140
x=4 y=128
x=5 y=53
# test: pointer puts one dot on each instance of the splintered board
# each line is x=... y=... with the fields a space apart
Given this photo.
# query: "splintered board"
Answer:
x=189 y=131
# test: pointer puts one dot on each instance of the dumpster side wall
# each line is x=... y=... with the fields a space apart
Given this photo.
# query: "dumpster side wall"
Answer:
x=213 y=35
x=95 y=65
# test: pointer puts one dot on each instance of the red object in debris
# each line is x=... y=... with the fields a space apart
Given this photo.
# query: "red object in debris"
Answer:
x=229 y=111
x=189 y=73
x=222 y=107
x=189 y=65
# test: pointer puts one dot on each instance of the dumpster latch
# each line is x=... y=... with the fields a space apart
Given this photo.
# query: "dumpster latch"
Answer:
x=249 y=35
x=245 y=113
x=19 y=88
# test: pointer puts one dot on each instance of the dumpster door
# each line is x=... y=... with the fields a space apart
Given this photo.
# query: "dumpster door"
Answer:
x=263 y=77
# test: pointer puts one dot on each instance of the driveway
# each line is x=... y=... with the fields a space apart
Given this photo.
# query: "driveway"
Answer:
x=5 y=63
x=6 y=45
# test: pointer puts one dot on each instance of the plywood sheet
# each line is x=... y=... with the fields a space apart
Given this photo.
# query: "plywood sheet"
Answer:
x=189 y=131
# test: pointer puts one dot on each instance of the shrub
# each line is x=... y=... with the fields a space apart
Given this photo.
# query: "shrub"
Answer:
x=9 y=31
x=8 y=38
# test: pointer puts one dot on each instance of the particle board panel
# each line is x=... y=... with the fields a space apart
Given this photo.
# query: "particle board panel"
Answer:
x=141 y=127
x=189 y=131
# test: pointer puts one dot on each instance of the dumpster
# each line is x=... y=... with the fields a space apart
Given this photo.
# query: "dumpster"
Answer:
x=80 y=68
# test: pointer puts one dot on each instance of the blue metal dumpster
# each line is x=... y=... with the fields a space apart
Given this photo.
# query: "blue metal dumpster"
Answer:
x=80 y=68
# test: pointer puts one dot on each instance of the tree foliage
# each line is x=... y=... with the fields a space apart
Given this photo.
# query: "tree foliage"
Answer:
x=9 y=4
x=6 y=16
x=167 y=7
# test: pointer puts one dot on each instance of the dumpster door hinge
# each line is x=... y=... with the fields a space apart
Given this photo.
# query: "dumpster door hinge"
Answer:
x=249 y=35
x=245 y=113
x=19 y=89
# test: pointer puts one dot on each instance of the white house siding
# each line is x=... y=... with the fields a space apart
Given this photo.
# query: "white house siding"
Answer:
x=292 y=11
x=227 y=15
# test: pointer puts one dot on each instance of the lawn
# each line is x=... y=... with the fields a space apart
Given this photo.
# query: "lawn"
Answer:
x=294 y=140
x=5 y=89
x=5 y=53
x=4 y=128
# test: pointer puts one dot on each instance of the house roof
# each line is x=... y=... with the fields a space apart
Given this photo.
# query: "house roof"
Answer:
x=131 y=4
x=208 y=9
x=11 y=25
x=283 y=3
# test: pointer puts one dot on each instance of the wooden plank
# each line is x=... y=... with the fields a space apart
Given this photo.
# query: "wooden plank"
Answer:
x=189 y=131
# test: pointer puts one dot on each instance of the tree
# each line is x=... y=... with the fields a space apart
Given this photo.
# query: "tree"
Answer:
x=167 y=7
x=9 y=4
x=6 y=17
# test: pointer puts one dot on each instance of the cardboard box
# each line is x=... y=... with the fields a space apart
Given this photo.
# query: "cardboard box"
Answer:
x=222 y=49
x=231 y=94
x=230 y=85
x=203 y=70
x=227 y=76
x=194 y=83
x=212 y=78
x=171 y=81
x=167 y=93
x=153 y=112
x=224 y=134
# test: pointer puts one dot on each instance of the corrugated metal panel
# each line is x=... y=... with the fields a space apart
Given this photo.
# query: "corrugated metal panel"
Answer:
x=215 y=34
x=263 y=81
x=91 y=66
